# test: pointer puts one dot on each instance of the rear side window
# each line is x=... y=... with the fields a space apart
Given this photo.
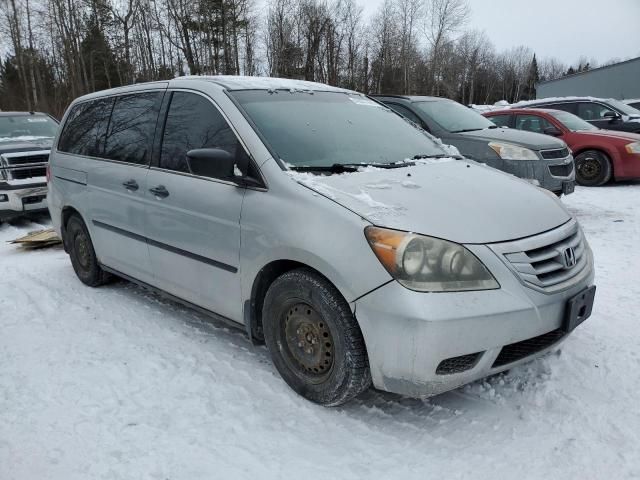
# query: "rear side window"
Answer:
x=500 y=120
x=85 y=128
x=133 y=122
x=193 y=122
x=565 y=107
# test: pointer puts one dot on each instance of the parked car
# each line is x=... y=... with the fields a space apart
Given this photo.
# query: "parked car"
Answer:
x=635 y=103
x=25 y=140
x=608 y=114
x=543 y=161
x=289 y=208
x=600 y=155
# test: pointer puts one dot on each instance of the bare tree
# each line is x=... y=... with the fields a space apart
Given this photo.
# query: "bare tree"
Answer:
x=443 y=18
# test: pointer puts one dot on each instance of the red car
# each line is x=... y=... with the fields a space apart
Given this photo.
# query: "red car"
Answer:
x=599 y=154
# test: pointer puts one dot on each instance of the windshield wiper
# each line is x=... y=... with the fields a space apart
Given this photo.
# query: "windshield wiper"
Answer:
x=347 y=167
x=466 y=130
x=422 y=156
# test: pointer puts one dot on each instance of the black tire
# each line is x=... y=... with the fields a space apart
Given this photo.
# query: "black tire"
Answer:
x=593 y=168
x=314 y=340
x=82 y=254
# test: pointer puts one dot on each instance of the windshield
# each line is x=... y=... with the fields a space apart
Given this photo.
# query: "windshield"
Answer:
x=454 y=117
x=623 y=107
x=326 y=128
x=573 y=122
x=26 y=127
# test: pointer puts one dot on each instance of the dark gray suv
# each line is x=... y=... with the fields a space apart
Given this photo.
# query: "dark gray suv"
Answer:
x=523 y=154
x=605 y=113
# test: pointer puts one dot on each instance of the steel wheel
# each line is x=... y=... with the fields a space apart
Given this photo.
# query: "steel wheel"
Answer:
x=309 y=343
x=593 y=168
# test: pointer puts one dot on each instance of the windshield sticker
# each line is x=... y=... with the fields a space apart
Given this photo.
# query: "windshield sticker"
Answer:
x=37 y=120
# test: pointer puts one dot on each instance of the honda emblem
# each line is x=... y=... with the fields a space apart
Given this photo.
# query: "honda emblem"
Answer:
x=569 y=258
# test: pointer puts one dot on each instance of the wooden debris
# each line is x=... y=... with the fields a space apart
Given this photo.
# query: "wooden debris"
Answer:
x=38 y=239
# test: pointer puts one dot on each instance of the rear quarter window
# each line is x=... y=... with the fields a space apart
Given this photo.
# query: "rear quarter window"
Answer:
x=85 y=127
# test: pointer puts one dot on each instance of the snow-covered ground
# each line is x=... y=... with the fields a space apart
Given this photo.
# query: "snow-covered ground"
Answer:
x=116 y=382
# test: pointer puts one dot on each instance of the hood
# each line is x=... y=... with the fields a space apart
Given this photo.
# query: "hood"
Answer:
x=24 y=144
x=461 y=201
x=626 y=137
x=534 y=141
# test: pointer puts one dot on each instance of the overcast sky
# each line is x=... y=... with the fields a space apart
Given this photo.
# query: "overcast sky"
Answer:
x=566 y=29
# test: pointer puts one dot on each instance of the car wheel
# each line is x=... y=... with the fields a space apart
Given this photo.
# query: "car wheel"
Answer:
x=593 y=168
x=83 y=256
x=314 y=340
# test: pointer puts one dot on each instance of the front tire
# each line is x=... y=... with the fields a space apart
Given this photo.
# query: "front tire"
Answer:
x=593 y=168
x=314 y=340
x=83 y=256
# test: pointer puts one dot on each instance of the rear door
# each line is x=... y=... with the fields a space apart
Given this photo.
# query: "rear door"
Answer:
x=117 y=184
x=193 y=218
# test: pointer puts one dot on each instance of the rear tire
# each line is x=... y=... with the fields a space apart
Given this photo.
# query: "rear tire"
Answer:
x=83 y=256
x=593 y=168
x=314 y=340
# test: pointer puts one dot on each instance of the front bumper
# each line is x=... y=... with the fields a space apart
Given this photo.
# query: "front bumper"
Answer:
x=554 y=175
x=19 y=199
x=410 y=334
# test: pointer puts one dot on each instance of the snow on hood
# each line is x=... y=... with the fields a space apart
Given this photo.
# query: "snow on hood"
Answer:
x=461 y=201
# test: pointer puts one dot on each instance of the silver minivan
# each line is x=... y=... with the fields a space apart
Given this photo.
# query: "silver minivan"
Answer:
x=325 y=224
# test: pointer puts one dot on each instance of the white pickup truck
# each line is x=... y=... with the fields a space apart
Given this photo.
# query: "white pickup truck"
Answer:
x=25 y=141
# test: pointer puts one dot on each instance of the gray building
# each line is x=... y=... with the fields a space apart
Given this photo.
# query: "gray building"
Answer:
x=620 y=80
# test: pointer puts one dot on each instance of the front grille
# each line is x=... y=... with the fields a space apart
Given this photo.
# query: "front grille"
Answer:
x=23 y=165
x=541 y=261
x=551 y=154
x=23 y=173
x=517 y=351
x=458 y=364
x=561 y=170
x=27 y=159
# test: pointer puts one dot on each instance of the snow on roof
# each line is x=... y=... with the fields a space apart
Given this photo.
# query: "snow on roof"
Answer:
x=523 y=103
x=499 y=105
x=632 y=100
x=232 y=82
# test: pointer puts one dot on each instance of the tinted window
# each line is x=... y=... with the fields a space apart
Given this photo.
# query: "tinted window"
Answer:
x=85 y=128
x=133 y=122
x=325 y=128
x=592 y=111
x=26 y=127
x=193 y=122
x=532 y=123
x=565 y=107
x=500 y=120
x=405 y=112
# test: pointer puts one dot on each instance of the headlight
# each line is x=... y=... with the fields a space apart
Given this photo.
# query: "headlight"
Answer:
x=507 y=151
x=633 y=147
x=428 y=264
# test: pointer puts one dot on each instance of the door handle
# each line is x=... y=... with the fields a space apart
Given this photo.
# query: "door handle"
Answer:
x=160 y=191
x=131 y=185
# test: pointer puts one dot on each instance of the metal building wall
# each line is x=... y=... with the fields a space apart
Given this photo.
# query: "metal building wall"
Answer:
x=621 y=81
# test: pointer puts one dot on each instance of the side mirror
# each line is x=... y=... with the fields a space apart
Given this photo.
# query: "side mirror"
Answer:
x=611 y=115
x=211 y=162
x=553 y=131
